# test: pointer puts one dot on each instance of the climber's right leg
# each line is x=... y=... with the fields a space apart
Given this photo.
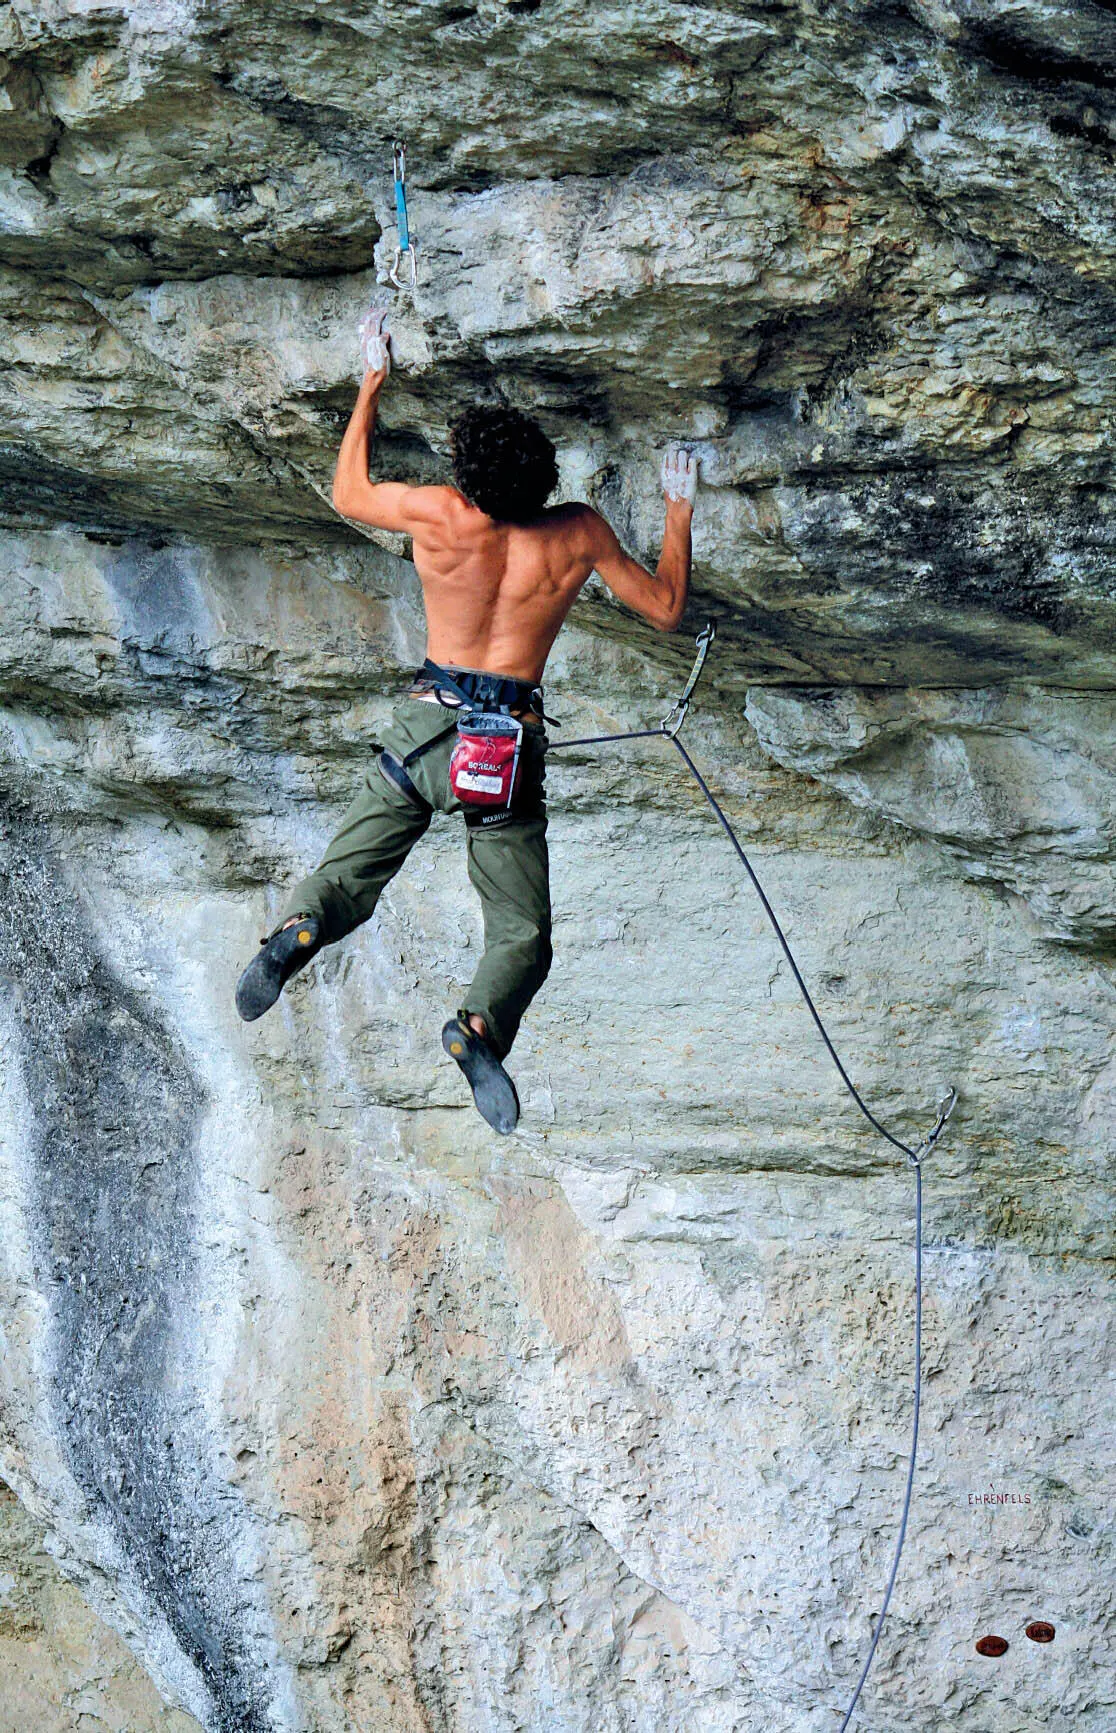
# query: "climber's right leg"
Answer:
x=377 y=833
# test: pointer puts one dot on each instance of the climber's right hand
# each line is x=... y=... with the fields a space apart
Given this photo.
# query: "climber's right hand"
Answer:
x=680 y=474
x=375 y=344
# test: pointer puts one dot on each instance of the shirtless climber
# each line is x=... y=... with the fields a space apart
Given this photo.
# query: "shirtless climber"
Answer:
x=500 y=571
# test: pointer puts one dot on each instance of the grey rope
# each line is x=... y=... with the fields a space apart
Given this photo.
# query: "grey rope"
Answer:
x=916 y=1163
x=600 y=739
x=789 y=954
x=914 y=1156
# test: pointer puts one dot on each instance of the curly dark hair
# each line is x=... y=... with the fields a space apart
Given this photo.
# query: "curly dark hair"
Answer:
x=503 y=462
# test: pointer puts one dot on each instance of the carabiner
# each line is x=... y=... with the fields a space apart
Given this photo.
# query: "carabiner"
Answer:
x=945 y=1107
x=393 y=268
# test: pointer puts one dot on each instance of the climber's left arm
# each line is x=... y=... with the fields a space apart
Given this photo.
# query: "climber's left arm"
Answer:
x=352 y=489
x=385 y=505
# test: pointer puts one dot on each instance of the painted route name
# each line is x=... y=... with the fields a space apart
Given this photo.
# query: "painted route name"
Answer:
x=1003 y=1496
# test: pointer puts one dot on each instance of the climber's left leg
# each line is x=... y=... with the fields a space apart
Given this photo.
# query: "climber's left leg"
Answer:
x=510 y=869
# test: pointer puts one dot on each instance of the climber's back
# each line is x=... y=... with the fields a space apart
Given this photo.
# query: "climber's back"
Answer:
x=496 y=593
x=499 y=569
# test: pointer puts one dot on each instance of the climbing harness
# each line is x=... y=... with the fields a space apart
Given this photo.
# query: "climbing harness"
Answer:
x=669 y=729
x=406 y=246
x=486 y=766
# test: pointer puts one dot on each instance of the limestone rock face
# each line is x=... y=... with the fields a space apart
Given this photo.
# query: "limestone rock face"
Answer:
x=60 y=1667
x=344 y=1413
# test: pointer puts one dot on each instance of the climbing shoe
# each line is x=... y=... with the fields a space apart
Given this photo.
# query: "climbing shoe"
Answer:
x=493 y=1090
x=271 y=968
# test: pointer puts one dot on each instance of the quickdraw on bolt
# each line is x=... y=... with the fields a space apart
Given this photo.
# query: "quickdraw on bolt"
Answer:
x=676 y=715
x=406 y=247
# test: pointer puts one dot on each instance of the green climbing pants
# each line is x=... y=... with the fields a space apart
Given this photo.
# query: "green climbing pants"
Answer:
x=508 y=863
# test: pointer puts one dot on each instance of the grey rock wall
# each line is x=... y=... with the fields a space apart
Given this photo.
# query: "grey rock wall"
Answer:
x=343 y=1413
x=61 y=1668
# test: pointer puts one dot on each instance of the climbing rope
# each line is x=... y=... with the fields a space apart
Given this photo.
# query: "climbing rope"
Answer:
x=669 y=729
